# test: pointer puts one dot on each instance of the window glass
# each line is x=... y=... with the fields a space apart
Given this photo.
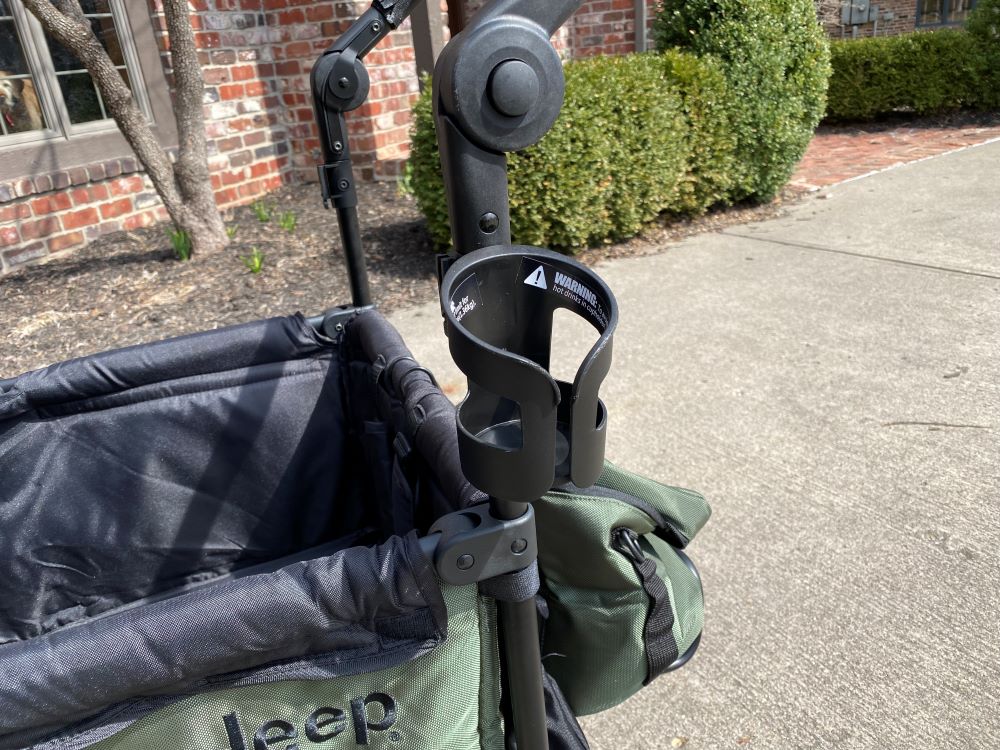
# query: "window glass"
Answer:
x=931 y=12
x=11 y=56
x=20 y=110
x=960 y=10
x=83 y=101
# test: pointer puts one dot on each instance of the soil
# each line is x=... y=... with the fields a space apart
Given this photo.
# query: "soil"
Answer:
x=128 y=288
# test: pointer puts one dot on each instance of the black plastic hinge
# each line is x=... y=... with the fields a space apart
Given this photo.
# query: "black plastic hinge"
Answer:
x=475 y=545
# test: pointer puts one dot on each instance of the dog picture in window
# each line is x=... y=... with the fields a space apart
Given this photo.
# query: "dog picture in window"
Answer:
x=19 y=105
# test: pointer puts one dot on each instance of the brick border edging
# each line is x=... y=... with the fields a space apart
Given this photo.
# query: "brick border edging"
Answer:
x=64 y=179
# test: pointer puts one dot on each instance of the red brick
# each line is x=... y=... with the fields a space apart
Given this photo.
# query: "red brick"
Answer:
x=116 y=208
x=318 y=13
x=125 y=185
x=233 y=178
x=254 y=139
x=14 y=213
x=230 y=144
x=77 y=219
x=229 y=195
x=145 y=219
x=256 y=88
x=43 y=228
x=243 y=72
x=65 y=241
x=83 y=196
x=261 y=169
x=232 y=91
x=216 y=75
x=298 y=49
x=8 y=236
x=51 y=203
x=208 y=39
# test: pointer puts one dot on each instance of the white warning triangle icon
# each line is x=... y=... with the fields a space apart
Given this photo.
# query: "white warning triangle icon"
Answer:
x=537 y=278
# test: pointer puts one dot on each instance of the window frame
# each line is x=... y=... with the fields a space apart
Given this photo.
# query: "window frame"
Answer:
x=63 y=145
x=945 y=15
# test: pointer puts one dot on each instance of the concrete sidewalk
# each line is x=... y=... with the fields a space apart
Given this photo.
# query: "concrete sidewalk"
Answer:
x=830 y=380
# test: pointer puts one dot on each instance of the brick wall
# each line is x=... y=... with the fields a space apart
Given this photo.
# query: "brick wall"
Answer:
x=54 y=212
x=895 y=17
x=256 y=57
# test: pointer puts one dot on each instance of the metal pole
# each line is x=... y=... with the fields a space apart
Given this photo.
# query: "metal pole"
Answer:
x=428 y=36
x=522 y=658
x=640 y=25
x=350 y=233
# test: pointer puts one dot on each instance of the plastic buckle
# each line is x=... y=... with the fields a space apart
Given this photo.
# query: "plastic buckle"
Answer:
x=474 y=545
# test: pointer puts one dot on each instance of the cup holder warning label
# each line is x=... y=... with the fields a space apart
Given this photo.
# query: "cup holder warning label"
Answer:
x=575 y=291
x=466 y=298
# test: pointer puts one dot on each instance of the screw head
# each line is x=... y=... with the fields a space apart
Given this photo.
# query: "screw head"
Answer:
x=464 y=562
x=518 y=546
x=338 y=146
x=344 y=184
x=376 y=26
x=489 y=222
x=344 y=82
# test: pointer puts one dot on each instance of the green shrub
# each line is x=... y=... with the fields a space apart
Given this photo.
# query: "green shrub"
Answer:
x=775 y=58
x=984 y=22
x=927 y=73
x=708 y=105
x=614 y=160
x=423 y=169
x=984 y=27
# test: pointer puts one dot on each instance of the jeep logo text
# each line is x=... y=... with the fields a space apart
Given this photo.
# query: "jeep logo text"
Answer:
x=321 y=725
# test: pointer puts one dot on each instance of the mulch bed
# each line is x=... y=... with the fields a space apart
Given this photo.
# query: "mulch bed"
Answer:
x=128 y=288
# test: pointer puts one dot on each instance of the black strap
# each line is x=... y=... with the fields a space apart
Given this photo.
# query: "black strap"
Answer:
x=658 y=633
x=513 y=587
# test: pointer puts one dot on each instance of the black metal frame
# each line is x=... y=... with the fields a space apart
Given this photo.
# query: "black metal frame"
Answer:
x=498 y=87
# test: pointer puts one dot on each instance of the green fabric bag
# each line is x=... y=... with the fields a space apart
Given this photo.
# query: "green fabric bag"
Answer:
x=624 y=603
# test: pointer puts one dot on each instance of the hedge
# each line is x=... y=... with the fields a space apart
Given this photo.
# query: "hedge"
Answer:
x=984 y=26
x=775 y=59
x=927 y=73
x=637 y=136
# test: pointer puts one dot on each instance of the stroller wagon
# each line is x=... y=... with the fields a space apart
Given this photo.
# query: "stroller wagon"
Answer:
x=283 y=535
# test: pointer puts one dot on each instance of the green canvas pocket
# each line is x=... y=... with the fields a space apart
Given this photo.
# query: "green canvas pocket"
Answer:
x=624 y=603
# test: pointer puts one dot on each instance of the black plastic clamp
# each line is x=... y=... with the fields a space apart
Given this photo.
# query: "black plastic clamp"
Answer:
x=475 y=545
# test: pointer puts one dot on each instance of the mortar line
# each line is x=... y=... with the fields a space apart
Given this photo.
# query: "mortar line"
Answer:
x=910 y=263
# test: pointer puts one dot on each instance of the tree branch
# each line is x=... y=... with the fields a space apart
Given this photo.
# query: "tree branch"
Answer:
x=189 y=88
x=70 y=28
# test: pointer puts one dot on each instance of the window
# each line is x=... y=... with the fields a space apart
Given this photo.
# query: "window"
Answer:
x=943 y=12
x=44 y=89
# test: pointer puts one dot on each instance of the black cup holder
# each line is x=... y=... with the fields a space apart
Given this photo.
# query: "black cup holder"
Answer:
x=520 y=430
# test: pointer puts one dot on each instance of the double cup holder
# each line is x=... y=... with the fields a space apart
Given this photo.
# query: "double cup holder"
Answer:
x=520 y=430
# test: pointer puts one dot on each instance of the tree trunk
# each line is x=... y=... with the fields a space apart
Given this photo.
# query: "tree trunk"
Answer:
x=184 y=187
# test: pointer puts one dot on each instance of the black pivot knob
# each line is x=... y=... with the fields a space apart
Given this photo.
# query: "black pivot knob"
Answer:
x=513 y=88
